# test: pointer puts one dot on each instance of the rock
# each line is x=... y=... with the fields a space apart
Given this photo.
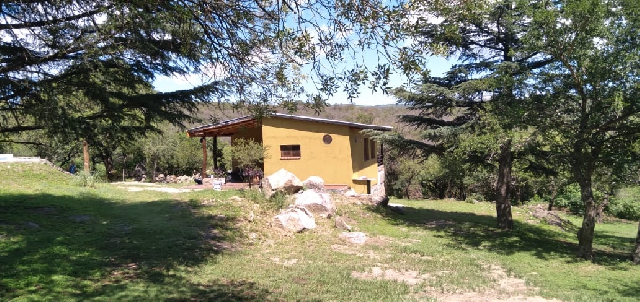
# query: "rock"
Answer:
x=140 y=172
x=282 y=180
x=183 y=179
x=364 y=198
x=316 y=202
x=342 y=224
x=315 y=183
x=354 y=237
x=160 y=177
x=350 y=193
x=295 y=219
x=378 y=195
x=171 y=179
x=266 y=188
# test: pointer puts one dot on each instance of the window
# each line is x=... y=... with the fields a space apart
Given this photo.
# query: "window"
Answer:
x=372 y=149
x=289 y=151
x=366 y=149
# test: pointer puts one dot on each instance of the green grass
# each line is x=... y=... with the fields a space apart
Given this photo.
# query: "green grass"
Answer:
x=60 y=241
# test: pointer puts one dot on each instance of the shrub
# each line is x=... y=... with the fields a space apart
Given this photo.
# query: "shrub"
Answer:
x=279 y=200
x=537 y=199
x=624 y=209
x=253 y=195
x=626 y=204
x=570 y=199
x=474 y=198
x=85 y=179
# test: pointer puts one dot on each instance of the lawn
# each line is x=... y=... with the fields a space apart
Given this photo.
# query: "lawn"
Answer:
x=59 y=241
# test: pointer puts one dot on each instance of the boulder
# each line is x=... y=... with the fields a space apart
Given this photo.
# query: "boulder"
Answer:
x=378 y=195
x=295 y=219
x=139 y=172
x=350 y=193
x=314 y=182
x=171 y=179
x=282 y=180
x=316 y=202
x=342 y=224
x=184 y=179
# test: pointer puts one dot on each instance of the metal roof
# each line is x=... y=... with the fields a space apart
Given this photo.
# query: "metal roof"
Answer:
x=229 y=127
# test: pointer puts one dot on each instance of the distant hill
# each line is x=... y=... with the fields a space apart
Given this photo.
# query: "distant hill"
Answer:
x=384 y=115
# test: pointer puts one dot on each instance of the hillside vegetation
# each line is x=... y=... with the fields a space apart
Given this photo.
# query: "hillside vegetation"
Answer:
x=387 y=115
x=60 y=241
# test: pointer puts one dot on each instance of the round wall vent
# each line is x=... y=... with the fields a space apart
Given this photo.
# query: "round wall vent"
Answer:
x=327 y=139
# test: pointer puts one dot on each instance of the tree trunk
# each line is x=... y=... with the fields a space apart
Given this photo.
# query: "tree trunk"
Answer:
x=585 y=234
x=636 y=252
x=107 y=159
x=554 y=194
x=601 y=206
x=124 y=165
x=503 y=187
x=155 y=168
x=85 y=151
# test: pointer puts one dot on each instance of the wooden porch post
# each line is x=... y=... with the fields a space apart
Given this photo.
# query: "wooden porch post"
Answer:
x=203 y=140
x=215 y=152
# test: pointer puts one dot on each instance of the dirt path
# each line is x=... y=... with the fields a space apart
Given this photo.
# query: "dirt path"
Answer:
x=140 y=186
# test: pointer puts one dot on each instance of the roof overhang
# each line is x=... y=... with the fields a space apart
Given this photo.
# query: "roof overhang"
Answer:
x=229 y=127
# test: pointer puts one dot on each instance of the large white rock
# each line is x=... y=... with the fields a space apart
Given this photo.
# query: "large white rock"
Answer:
x=316 y=202
x=282 y=180
x=379 y=195
x=350 y=193
x=296 y=219
x=314 y=182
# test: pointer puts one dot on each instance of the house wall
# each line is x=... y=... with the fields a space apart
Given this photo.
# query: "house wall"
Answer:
x=333 y=162
x=367 y=169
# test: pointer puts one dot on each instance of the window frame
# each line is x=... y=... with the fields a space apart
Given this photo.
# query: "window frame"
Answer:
x=372 y=149
x=288 y=152
x=366 y=149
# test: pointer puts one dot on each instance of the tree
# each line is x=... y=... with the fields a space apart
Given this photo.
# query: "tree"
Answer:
x=252 y=52
x=586 y=102
x=248 y=155
x=486 y=38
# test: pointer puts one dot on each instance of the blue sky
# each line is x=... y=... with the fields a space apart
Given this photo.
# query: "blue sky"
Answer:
x=438 y=66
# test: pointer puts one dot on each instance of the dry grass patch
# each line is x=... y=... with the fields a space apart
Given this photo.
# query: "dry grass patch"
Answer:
x=405 y=276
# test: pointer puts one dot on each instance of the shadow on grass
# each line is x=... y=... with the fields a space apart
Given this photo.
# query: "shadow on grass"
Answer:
x=62 y=247
x=469 y=230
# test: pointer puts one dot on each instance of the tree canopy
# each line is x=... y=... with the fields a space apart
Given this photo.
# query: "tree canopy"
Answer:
x=109 y=52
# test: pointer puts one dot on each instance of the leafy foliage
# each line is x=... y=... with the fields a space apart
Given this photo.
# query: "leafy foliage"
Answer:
x=247 y=152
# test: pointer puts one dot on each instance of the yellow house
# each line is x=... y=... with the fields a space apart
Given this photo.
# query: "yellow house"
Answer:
x=335 y=150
